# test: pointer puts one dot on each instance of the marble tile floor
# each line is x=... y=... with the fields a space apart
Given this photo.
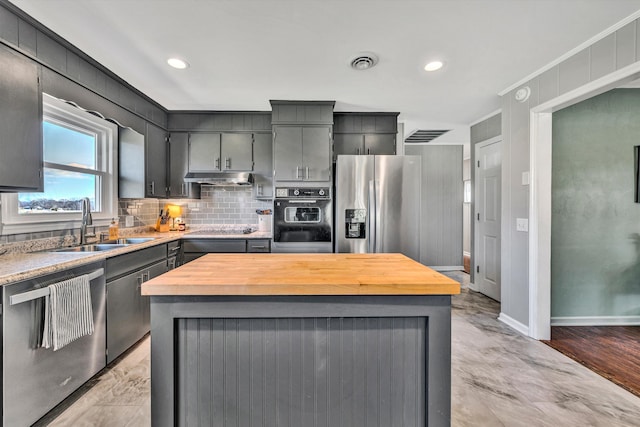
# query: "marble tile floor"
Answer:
x=499 y=378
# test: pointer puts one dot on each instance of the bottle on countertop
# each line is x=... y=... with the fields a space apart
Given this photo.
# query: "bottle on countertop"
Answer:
x=113 y=229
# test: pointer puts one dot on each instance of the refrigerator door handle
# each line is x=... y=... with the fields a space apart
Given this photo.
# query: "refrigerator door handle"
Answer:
x=371 y=220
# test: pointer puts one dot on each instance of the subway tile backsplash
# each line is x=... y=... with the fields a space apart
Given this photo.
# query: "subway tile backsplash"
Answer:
x=217 y=206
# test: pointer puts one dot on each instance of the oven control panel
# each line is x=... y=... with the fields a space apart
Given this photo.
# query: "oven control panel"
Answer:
x=303 y=193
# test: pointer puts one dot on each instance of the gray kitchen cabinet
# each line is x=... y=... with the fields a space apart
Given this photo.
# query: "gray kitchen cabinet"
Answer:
x=179 y=166
x=156 y=162
x=20 y=124
x=364 y=133
x=195 y=248
x=150 y=180
x=216 y=152
x=351 y=143
x=263 y=165
x=127 y=310
x=302 y=153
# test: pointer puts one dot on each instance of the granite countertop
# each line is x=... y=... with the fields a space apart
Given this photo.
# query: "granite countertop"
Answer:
x=16 y=267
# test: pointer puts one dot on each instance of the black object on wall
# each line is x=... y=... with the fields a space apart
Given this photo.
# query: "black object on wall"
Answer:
x=636 y=173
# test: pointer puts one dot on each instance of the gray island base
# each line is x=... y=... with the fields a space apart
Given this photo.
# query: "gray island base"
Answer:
x=301 y=340
x=301 y=361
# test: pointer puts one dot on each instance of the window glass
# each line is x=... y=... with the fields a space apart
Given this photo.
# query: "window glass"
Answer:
x=64 y=192
x=64 y=187
x=68 y=147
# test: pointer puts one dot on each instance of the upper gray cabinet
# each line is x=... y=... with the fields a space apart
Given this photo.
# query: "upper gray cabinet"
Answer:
x=302 y=153
x=365 y=133
x=302 y=140
x=156 y=162
x=20 y=124
x=263 y=165
x=150 y=179
x=179 y=166
x=219 y=152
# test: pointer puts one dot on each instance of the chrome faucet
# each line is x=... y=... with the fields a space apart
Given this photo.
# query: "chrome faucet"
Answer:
x=86 y=220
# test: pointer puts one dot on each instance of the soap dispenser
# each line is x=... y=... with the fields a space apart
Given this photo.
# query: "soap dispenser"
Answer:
x=113 y=230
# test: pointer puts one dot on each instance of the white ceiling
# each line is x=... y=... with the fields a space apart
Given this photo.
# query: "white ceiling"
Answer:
x=243 y=53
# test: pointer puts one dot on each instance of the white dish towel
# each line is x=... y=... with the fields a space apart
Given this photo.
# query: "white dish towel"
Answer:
x=68 y=314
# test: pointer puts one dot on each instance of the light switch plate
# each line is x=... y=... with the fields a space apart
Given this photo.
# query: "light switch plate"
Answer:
x=525 y=178
x=522 y=224
x=128 y=221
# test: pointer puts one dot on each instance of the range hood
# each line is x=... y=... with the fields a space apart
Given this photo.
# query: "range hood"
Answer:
x=220 y=178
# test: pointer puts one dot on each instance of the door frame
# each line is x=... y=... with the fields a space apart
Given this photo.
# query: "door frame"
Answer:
x=474 y=214
x=540 y=151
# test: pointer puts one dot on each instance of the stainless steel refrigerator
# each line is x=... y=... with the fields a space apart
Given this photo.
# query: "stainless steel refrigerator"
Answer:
x=377 y=201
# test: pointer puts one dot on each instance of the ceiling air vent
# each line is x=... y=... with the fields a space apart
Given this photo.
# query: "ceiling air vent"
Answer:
x=364 y=61
x=423 y=136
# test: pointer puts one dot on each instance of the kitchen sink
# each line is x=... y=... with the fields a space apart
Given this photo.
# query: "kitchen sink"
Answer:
x=95 y=247
x=106 y=245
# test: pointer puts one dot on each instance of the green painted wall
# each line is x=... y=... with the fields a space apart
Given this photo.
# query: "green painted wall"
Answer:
x=595 y=244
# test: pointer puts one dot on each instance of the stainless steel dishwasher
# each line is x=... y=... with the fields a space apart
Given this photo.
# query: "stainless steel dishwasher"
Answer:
x=35 y=380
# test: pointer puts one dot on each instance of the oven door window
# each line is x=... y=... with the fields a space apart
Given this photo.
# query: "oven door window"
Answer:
x=302 y=215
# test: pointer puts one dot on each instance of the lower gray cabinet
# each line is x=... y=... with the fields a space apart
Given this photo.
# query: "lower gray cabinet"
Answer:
x=128 y=312
x=195 y=248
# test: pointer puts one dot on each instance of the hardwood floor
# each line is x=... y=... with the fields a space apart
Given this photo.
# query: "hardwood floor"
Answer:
x=611 y=351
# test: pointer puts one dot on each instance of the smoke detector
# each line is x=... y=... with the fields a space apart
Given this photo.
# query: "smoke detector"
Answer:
x=364 y=61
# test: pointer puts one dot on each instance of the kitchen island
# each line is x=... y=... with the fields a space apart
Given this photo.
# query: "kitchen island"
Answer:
x=301 y=340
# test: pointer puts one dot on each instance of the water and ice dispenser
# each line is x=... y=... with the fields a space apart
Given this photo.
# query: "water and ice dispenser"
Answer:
x=355 y=223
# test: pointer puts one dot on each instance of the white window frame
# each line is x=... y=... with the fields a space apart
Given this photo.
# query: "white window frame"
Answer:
x=57 y=111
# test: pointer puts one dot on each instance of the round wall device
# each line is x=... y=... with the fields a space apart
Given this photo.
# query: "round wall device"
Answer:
x=523 y=94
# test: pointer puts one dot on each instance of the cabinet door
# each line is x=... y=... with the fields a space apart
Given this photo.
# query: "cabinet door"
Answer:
x=123 y=314
x=287 y=153
x=237 y=151
x=316 y=153
x=347 y=143
x=204 y=152
x=145 y=301
x=20 y=124
x=263 y=165
x=156 y=162
x=379 y=144
x=178 y=164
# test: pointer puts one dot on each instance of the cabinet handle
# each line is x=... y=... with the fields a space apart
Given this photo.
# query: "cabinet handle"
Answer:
x=218 y=163
x=307 y=168
x=152 y=187
x=297 y=172
x=182 y=189
x=140 y=280
x=145 y=276
x=368 y=150
x=227 y=162
x=258 y=247
x=358 y=151
x=259 y=189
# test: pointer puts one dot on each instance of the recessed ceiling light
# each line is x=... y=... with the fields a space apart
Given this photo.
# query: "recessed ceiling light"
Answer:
x=177 y=63
x=433 y=66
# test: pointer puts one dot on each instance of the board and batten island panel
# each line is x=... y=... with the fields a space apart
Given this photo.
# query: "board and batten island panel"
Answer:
x=301 y=339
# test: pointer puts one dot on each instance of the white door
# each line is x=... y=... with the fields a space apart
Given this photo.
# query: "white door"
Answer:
x=487 y=242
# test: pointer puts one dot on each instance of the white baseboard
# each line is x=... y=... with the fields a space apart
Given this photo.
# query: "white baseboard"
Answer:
x=596 y=321
x=473 y=287
x=510 y=321
x=447 y=267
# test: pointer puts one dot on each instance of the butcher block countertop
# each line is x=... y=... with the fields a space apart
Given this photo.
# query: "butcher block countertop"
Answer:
x=301 y=274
